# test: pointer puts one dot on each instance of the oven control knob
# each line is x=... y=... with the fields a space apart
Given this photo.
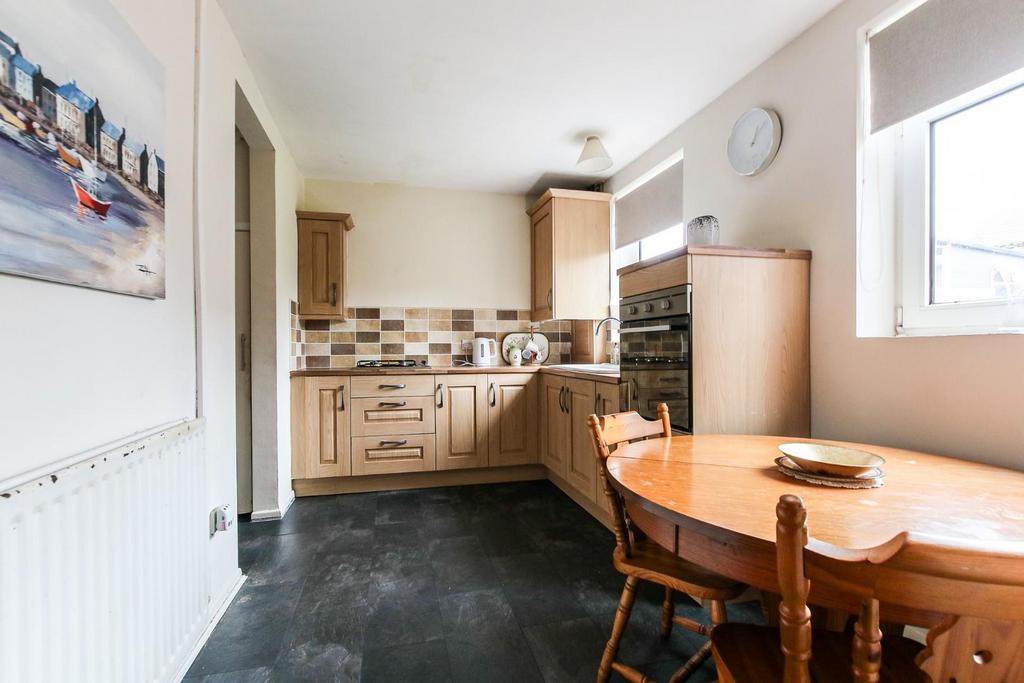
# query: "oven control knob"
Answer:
x=648 y=308
x=632 y=310
x=666 y=304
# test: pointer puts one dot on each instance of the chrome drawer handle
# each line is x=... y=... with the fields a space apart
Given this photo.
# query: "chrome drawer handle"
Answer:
x=392 y=404
x=391 y=386
x=402 y=442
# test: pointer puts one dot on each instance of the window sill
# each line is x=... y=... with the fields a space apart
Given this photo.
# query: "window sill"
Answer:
x=955 y=331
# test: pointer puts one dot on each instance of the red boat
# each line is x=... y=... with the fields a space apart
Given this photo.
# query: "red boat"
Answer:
x=89 y=200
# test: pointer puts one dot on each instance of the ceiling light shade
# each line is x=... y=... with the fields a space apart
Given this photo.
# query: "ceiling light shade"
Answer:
x=594 y=157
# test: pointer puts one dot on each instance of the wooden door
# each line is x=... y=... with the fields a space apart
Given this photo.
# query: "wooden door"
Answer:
x=512 y=419
x=320 y=427
x=580 y=464
x=461 y=419
x=553 y=424
x=321 y=259
x=543 y=263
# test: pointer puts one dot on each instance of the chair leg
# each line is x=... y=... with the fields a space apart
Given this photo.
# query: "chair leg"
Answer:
x=668 y=610
x=718 y=616
x=604 y=671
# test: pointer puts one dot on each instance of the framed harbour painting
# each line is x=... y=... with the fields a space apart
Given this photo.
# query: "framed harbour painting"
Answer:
x=82 y=172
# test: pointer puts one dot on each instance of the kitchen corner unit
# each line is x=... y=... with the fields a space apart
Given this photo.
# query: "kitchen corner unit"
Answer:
x=571 y=243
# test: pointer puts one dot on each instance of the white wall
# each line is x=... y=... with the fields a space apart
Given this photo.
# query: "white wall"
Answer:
x=953 y=395
x=224 y=66
x=80 y=368
x=415 y=246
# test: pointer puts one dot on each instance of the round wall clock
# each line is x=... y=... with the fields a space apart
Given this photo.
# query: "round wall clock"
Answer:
x=754 y=141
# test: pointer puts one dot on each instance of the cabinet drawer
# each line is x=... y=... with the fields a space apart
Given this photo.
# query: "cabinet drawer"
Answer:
x=388 y=415
x=393 y=454
x=393 y=385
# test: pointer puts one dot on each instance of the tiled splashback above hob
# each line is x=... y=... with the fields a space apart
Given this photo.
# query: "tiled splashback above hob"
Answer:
x=431 y=335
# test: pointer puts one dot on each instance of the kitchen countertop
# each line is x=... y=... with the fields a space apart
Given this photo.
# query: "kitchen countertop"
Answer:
x=607 y=378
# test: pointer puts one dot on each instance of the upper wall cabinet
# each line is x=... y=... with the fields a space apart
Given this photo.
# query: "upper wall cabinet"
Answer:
x=322 y=252
x=571 y=246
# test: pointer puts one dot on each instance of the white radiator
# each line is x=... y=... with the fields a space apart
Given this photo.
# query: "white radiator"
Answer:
x=103 y=563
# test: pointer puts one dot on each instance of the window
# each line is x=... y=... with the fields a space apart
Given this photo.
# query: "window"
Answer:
x=977 y=218
x=940 y=230
x=961 y=223
x=649 y=213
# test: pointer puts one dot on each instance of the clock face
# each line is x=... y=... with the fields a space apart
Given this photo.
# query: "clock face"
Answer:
x=754 y=141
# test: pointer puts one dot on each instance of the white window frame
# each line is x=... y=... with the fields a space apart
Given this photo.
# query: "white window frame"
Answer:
x=915 y=314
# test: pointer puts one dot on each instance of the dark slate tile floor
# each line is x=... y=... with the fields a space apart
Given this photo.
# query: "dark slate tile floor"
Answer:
x=504 y=582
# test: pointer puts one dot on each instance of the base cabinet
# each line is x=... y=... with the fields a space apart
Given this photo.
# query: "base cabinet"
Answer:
x=580 y=460
x=321 y=409
x=512 y=419
x=461 y=419
x=553 y=424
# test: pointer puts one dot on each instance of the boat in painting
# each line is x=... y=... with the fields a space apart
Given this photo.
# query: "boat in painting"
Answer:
x=89 y=200
x=92 y=171
x=69 y=157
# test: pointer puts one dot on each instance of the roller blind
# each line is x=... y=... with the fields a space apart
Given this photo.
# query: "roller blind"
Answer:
x=939 y=51
x=654 y=206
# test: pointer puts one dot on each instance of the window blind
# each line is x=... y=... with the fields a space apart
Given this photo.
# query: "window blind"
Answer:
x=939 y=51
x=654 y=206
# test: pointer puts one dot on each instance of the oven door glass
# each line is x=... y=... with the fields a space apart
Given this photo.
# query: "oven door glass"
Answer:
x=655 y=368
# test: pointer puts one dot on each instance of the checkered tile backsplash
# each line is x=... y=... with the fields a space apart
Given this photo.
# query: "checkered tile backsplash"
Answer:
x=432 y=335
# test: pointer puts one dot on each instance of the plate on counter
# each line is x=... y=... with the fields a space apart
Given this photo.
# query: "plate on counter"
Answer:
x=520 y=339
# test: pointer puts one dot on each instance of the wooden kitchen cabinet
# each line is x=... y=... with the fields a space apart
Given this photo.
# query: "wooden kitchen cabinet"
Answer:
x=567 y=447
x=512 y=419
x=320 y=427
x=322 y=252
x=553 y=424
x=571 y=244
x=580 y=462
x=461 y=419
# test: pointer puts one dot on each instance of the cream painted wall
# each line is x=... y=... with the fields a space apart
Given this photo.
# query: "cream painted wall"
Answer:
x=415 y=246
x=955 y=395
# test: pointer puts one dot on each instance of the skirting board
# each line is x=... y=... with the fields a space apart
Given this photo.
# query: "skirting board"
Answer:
x=416 y=480
x=214 y=620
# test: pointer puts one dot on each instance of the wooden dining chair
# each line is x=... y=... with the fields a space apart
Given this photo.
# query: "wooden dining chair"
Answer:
x=640 y=558
x=982 y=582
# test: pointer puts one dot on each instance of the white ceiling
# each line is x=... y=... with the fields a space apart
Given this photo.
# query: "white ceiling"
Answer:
x=491 y=95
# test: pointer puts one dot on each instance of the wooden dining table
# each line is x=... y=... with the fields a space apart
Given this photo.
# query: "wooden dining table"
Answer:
x=711 y=499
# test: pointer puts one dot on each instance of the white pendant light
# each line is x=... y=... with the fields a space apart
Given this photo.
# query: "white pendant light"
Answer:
x=594 y=158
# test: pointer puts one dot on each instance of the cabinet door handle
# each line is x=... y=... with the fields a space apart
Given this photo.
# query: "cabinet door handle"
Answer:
x=400 y=442
x=549 y=298
x=494 y=396
x=597 y=405
x=565 y=399
x=391 y=386
x=341 y=398
x=334 y=294
x=561 y=402
x=241 y=350
x=391 y=404
x=440 y=395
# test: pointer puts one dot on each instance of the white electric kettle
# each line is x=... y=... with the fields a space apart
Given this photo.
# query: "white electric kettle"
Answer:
x=485 y=351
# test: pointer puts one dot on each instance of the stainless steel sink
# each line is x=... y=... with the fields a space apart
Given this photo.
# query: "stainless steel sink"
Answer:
x=595 y=368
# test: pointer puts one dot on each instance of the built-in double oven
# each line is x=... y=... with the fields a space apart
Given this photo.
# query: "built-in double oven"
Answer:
x=654 y=343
